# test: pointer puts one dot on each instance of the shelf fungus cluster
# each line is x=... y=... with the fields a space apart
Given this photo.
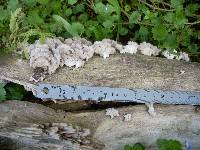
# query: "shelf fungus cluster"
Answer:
x=46 y=58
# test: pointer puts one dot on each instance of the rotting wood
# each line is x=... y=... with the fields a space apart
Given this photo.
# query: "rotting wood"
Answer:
x=23 y=126
x=130 y=71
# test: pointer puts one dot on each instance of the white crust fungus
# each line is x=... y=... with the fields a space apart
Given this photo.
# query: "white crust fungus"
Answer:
x=168 y=55
x=127 y=117
x=112 y=112
x=74 y=52
x=182 y=56
x=106 y=47
x=131 y=47
x=54 y=53
x=148 y=49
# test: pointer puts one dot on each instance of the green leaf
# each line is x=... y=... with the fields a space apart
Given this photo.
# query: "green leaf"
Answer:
x=15 y=91
x=137 y=146
x=4 y=14
x=123 y=31
x=176 y=3
x=78 y=9
x=127 y=147
x=43 y=2
x=116 y=5
x=107 y=24
x=65 y=24
x=30 y=3
x=127 y=8
x=34 y=18
x=180 y=19
x=169 y=144
x=170 y=42
x=169 y=17
x=159 y=32
x=83 y=17
x=100 y=8
x=77 y=28
x=72 y=2
x=193 y=48
x=191 y=9
x=134 y=17
x=143 y=33
x=13 y=5
x=68 y=12
x=2 y=92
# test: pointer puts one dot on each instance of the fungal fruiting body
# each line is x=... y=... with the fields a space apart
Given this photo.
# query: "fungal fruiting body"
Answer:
x=127 y=117
x=131 y=48
x=148 y=49
x=104 y=48
x=74 y=52
x=174 y=55
x=53 y=53
x=112 y=112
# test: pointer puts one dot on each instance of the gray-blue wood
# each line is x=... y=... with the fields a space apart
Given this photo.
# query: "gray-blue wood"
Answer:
x=67 y=92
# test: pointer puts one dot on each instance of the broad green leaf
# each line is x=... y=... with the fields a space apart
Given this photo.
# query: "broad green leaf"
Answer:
x=83 y=17
x=169 y=144
x=34 y=18
x=2 y=92
x=4 y=14
x=150 y=15
x=74 y=30
x=128 y=147
x=180 y=19
x=30 y=3
x=72 y=2
x=143 y=33
x=159 y=32
x=43 y=2
x=138 y=146
x=77 y=28
x=169 y=17
x=68 y=12
x=170 y=42
x=184 y=37
x=56 y=6
x=100 y=8
x=123 y=31
x=116 y=5
x=13 y=5
x=134 y=17
x=176 y=3
x=78 y=9
x=64 y=22
x=193 y=48
x=107 y=24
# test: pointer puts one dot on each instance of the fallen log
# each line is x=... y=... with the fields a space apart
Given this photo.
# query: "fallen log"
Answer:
x=26 y=125
x=129 y=71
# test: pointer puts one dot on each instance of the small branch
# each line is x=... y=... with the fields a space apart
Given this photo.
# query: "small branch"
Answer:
x=155 y=8
x=127 y=23
x=193 y=23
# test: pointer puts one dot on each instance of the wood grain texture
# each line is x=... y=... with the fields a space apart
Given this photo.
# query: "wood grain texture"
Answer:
x=130 y=71
x=21 y=122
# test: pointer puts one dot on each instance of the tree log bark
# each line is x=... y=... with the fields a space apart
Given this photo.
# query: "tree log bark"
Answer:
x=129 y=71
x=25 y=125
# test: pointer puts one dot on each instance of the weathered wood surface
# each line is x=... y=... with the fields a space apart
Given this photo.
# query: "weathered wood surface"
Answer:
x=130 y=71
x=22 y=127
